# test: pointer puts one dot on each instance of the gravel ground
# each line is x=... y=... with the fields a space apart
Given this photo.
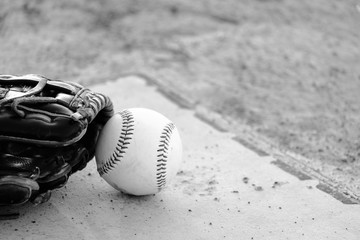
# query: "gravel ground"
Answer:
x=286 y=71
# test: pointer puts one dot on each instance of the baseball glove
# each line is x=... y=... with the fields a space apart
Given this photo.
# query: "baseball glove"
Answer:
x=48 y=131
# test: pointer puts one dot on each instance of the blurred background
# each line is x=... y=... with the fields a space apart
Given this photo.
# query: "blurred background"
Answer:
x=285 y=70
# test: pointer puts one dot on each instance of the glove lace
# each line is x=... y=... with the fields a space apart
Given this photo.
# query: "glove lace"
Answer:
x=20 y=98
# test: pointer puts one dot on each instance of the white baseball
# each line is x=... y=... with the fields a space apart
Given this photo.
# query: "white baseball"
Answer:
x=139 y=151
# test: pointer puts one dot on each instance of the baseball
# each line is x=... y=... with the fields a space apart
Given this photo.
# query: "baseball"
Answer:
x=139 y=151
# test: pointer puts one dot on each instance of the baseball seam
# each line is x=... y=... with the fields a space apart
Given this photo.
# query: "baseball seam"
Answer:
x=126 y=133
x=162 y=156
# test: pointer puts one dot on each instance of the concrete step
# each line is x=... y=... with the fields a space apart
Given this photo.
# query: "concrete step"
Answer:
x=223 y=190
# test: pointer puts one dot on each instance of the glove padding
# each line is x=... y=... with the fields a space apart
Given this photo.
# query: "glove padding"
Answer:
x=48 y=131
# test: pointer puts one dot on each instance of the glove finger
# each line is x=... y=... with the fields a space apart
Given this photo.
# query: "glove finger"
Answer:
x=16 y=190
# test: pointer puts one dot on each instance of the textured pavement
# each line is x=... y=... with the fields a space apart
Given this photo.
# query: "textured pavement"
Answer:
x=223 y=190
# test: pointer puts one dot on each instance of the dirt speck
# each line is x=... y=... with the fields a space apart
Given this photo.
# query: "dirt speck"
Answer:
x=245 y=180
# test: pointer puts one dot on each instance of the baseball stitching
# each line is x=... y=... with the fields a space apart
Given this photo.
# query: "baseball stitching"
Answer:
x=163 y=155
x=124 y=139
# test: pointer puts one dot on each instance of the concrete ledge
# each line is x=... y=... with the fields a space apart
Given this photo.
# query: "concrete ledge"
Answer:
x=222 y=191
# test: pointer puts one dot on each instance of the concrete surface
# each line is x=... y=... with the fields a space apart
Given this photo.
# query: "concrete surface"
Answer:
x=222 y=191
